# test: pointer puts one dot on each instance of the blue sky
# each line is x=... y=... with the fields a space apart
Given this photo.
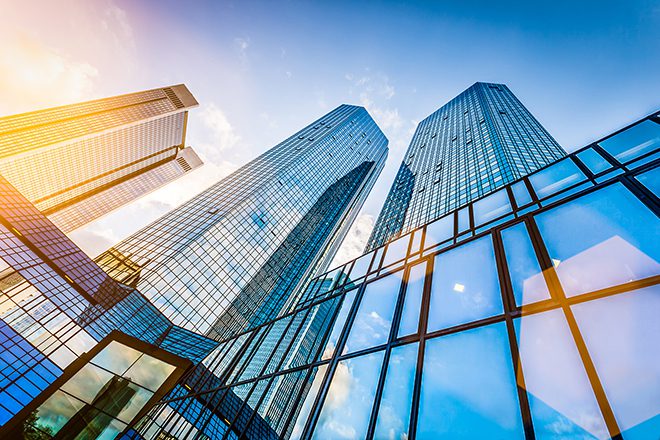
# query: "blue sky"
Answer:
x=262 y=70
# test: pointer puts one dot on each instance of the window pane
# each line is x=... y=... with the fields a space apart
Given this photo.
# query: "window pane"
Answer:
x=465 y=287
x=640 y=139
x=396 y=250
x=361 y=266
x=600 y=240
x=468 y=387
x=116 y=357
x=53 y=414
x=347 y=407
x=306 y=408
x=87 y=382
x=394 y=411
x=556 y=177
x=412 y=301
x=594 y=161
x=622 y=334
x=149 y=372
x=560 y=395
x=491 y=207
x=651 y=180
x=374 y=316
x=521 y=194
x=526 y=275
x=439 y=230
x=463 y=219
x=339 y=324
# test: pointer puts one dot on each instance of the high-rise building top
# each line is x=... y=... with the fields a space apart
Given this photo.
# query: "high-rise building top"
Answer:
x=72 y=158
x=477 y=142
x=232 y=256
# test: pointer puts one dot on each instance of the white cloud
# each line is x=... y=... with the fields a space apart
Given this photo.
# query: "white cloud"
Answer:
x=355 y=241
x=222 y=133
x=242 y=45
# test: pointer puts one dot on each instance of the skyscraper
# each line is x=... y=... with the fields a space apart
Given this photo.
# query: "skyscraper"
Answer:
x=230 y=258
x=477 y=142
x=80 y=161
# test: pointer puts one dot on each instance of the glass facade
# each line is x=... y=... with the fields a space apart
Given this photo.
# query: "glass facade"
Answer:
x=478 y=142
x=233 y=257
x=81 y=161
x=537 y=319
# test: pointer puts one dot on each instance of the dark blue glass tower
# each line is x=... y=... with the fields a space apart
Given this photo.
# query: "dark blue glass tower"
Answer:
x=477 y=142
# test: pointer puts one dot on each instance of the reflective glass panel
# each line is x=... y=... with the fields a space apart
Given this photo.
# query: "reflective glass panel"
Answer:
x=347 y=406
x=87 y=382
x=374 y=316
x=651 y=180
x=439 y=230
x=468 y=387
x=521 y=194
x=116 y=357
x=602 y=239
x=633 y=142
x=491 y=207
x=556 y=177
x=306 y=408
x=465 y=287
x=361 y=266
x=394 y=412
x=524 y=270
x=412 y=302
x=339 y=324
x=396 y=250
x=463 y=219
x=561 y=399
x=55 y=412
x=622 y=334
x=594 y=161
x=149 y=372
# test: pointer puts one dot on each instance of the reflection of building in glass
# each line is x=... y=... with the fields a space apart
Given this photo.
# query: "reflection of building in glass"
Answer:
x=551 y=282
x=80 y=161
x=230 y=258
x=476 y=143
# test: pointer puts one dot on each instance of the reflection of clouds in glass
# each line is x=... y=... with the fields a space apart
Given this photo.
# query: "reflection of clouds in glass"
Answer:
x=135 y=404
x=57 y=410
x=560 y=395
x=87 y=382
x=306 y=407
x=626 y=356
x=116 y=357
x=149 y=372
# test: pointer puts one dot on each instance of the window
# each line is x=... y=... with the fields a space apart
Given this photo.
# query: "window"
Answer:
x=633 y=142
x=555 y=178
x=594 y=161
x=651 y=180
x=412 y=301
x=439 y=230
x=491 y=207
x=339 y=324
x=396 y=250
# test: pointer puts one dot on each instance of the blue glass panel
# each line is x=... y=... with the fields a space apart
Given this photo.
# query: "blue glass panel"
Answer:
x=521 y=194
x=465 y=286
x=651 y=180
x=633 y=142
x=561 y=399
x=594 y=161
x=347 y=406
x=556 y=177
x=525 y=272
x=339 y=324
x=439 y=230
x=396 y=250
x=374 y=316
x=412 y=301
x=622 y=334
x=491 y=207
x=469 y=387
x=394 y=411
x=602 y=239
x=463 y=219
x=317 y=379
x=361 y=266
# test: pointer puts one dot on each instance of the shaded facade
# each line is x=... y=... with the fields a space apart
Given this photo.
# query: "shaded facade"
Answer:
x=234 y=256
x=476 y=143
x=80 y=161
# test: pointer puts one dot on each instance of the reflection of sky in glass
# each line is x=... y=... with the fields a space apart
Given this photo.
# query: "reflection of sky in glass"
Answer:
x=622 y=334
x=57 y=410
x=137 y=402
x=465 y=285
x=600 y=240
x=339 y=324
x=634 y=142
x=560 y=396
x=347 y=406
x=594 y=161
x=463 y=219
x=412 y=301
x=361 y=266
x=526 y=276
x=306 y=407
x=149 y=372
x=396 y=250
x=87 y=382
x=111 y=431
x=468 y=387
x=651 y=180
x=556 y=177
x=521 y=194
x=116 y=357
x=374 y=316
x=394 y=412
x=439 y=230
x=491 y=207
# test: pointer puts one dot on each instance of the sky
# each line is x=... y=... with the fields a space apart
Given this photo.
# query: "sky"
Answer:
x=263 y=70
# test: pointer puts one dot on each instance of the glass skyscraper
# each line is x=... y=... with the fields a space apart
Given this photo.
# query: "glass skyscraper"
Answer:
x=230 y=258
x=476 y=143
x=80 y=161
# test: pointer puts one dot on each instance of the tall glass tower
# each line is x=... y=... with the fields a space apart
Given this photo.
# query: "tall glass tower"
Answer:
x=80 y=161
x=231 y=257
x=477 y=142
